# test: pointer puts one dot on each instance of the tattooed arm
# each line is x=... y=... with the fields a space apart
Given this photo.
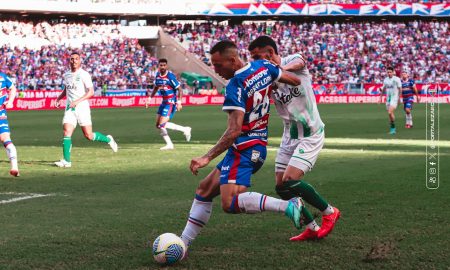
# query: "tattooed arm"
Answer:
x=235 y=119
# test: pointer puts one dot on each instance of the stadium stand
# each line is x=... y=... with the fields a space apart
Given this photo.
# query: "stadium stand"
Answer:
x=36 y=55
x=339 y=52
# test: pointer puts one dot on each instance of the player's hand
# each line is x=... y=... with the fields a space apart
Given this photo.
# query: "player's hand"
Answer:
x=418 y=99
x=57 y=104
x=197 y=163
x=73 y=104
x=8 y=105
x=179 y=106
x=147 y=101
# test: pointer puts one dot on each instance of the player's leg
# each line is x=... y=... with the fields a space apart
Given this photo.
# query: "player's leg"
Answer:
x=391 y=111
x=69 y=124
x=185 y=129
x=11 y=150
x=84 y=119
x=408 y=114
x=237 y=168
x=162 y=118
x=290 y=183
x=201 y=208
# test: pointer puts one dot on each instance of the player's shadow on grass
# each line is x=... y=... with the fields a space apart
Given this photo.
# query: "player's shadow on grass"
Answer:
x=34 y=162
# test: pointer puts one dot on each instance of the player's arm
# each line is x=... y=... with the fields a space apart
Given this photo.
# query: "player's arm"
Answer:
x=11 y=96
x=280 y=75
x=235 y=120
x=179 y=98
x=289 y=78
x=61 y=96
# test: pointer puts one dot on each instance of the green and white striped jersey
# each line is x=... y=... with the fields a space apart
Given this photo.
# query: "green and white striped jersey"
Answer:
x=296 y=105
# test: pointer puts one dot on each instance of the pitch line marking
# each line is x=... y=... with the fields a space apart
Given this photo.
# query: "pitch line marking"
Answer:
x=26 y=197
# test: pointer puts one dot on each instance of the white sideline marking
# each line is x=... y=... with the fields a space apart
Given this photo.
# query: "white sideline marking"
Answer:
x=27 y=197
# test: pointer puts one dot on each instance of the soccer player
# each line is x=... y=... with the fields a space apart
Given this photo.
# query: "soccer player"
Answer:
x=7 y=95
x=167 y=84
x=409 y=89
x=247 y=104
x=392 y=86
x=303 y=138
x=78 y=88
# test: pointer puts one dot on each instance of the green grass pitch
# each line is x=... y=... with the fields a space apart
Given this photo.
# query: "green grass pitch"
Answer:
x=102 y=212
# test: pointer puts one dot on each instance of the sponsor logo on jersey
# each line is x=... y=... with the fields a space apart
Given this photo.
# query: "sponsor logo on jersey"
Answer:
x=255 y=155
x=225 y=168
x=284 y=98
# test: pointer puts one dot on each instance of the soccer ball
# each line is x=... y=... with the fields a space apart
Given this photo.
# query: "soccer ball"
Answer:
x=168 y=248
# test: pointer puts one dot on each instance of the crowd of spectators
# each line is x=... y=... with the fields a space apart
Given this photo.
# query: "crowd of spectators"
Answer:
x=113 y=60
x=339 y=52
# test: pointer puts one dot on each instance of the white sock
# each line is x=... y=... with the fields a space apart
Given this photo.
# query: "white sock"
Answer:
x=313 y=226
x=173 y=126
x=11 y=152
x=165 y=135
x=409 y=119
x=167 y=140
x=254 y=202
x=198 y=218
x=328 y=211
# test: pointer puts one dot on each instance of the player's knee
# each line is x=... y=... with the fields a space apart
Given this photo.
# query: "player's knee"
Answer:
x=284 y=191
x=229 y=205
x=89 y=136
x=161 y=125
x=163 y=131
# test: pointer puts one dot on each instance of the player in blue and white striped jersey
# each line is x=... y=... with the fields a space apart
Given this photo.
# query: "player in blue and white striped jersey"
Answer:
x=7 y=95
x=167 y=84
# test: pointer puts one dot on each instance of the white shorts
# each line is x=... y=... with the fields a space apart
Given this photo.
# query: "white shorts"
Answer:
x=299 y=153
x=81 y=115
x=391 y=102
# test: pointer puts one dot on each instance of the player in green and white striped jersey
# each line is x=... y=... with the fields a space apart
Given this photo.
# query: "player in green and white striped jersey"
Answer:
x=303 y=138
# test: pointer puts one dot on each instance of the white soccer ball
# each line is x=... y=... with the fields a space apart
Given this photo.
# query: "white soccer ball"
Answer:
x=168 y=248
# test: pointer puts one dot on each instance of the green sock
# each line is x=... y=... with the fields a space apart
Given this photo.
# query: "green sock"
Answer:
x=308 y=193
x=307 y=216
x=98 y=137
x=392 y=125
x=67 y=148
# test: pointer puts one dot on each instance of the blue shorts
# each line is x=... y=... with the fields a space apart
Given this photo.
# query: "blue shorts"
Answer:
x=408 y=104
x=167 y=109
x=238 y=166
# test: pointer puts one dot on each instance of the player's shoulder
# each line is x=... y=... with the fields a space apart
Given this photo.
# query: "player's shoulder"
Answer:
x=292 y=57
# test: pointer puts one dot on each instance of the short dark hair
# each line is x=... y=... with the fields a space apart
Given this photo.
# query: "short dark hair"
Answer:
x=162 y=60
x=390 y=68
x=75 y=52
x=222 y=46
x=263 y=41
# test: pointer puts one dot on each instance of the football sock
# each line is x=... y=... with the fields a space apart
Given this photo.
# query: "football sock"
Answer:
x=307 y=216
x=253 y=202
x=98 y=137
x=173 y=126
x=165 y=135
x=308 y=193
x=198 y=217
x=11 y=152
x=328 y=211
x=313 y=226
x=67 y=148
x=409 y=119
x=392 y=124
